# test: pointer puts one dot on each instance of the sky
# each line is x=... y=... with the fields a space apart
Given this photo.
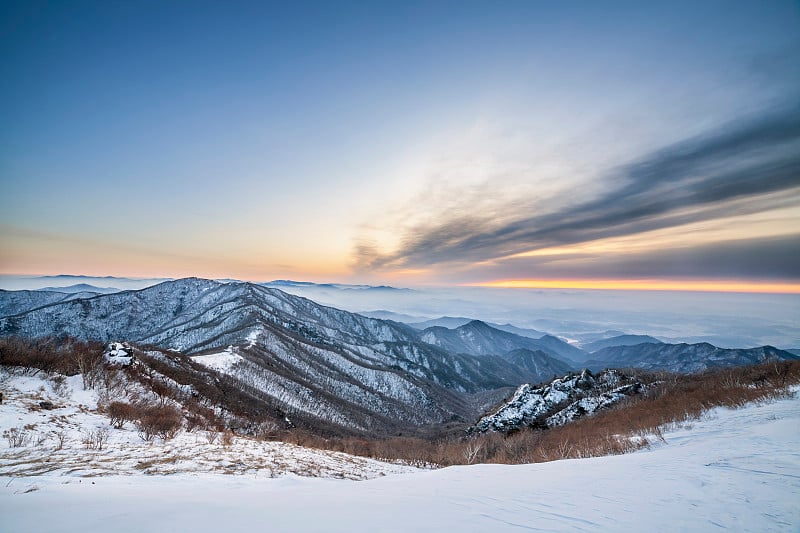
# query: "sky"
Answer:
x=568 y=144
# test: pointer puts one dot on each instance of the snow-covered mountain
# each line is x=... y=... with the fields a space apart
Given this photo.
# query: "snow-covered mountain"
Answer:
x=560 y=401
x=330 y=367
x=336 y=367
x=682 y=357
x=452 y=322
x=479 y=338
x=15 y=302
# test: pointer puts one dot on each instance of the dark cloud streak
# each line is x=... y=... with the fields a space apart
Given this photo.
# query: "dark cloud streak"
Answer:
x=775 y=258
x=694 y=180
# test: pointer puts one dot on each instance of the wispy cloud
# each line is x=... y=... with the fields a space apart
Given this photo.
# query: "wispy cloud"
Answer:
x=733 y=170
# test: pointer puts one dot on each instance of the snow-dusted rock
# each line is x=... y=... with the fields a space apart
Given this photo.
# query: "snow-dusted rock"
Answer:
x=560 y=401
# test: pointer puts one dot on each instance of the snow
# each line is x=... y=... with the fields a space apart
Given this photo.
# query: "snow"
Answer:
x=73 y=416
x=221 y=362
x=252 y=337
x=734 y=469
x=118 y=353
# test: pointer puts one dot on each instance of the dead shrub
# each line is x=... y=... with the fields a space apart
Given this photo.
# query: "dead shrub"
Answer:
x=226 y=438
x=199 y=416
x=60 y=438
x=158 y=421
x=64 y=355
x=60 y=386
x=211 y=436
x=110 y=383
x=121 y=412
x=95 y=439
x=17 y=437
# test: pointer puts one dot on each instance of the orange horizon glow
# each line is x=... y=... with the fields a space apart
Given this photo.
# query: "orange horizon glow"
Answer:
x=646 y=285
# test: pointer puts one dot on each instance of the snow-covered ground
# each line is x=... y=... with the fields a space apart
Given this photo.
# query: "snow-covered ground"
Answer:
x=221 y=361
x=737 y=470
x=55 y=443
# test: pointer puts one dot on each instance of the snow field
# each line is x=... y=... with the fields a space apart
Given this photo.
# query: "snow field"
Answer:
x=734 y=469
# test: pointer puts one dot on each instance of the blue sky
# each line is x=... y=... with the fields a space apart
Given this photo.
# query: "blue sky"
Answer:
x=404 y=142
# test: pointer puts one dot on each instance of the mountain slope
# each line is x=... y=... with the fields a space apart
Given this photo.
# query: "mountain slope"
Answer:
x=537 y=362
x=478 y=338
x=682 y=357
x=15 y=302
x=329 y=366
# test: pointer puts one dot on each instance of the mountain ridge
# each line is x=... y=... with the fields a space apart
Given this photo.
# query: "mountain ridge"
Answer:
x=683 y=357
x=312 y=360
x=478 y=338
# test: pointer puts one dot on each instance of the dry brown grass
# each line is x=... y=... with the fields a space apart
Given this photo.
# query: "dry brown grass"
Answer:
x=631 y=425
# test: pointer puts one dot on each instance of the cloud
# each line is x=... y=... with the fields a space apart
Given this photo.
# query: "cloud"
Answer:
x=772 y=258
x=727 y=172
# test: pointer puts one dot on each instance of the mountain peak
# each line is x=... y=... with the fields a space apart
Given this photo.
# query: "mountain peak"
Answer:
x=477 y=324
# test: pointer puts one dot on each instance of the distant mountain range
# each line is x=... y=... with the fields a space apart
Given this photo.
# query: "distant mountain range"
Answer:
x=68 y=283
x=478 y=338
x=682 y=357
x=81 y=287
x=334 y=369
x=619 y=340
x=452 y=322
x=287 y=283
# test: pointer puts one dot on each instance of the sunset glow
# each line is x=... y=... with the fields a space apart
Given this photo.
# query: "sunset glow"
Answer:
x=648 y=285
x=408 y=143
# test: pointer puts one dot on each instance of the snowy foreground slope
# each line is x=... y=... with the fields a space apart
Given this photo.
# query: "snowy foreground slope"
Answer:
x=734 y=469
x=55 y=444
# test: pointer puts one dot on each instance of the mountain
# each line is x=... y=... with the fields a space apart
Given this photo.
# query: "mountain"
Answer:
x=319 y=364
x=449 y=322
x=453 y=322
x=560 y=401
x=81 y=287
x=537 y=362
x=15 y=302
x=620 y=340
x=682 y=357
x=564 y=350
x=288 y=284
x=62 y=281
x=383 y=314
x=522 y=332
x=479 y=338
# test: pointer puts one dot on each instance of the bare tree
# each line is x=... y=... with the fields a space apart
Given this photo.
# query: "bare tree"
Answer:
x=471 y=451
